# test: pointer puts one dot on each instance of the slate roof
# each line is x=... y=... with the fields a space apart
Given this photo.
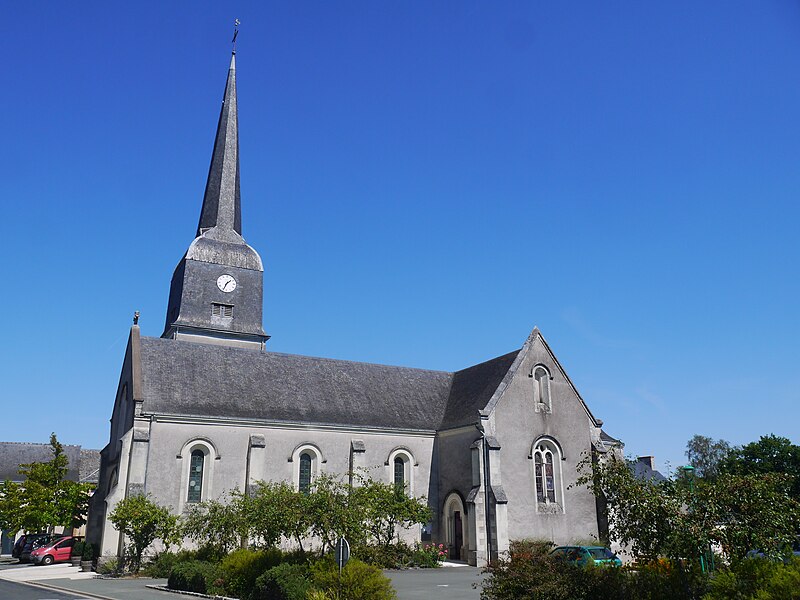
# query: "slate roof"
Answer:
x=642 y=470
x=191 y=379
x=186 y=378
x=472 y=388
x=13 y=454
x=90 y=466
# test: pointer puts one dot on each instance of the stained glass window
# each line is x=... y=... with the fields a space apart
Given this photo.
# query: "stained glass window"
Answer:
x=196 y=476
x=305 y=472
x=399 y=473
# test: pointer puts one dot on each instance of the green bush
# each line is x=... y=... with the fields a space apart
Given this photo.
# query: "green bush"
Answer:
x=163 y=562
x=359 y=581
x=77 y=549
x=285 y=582
x=428 y=556
x=88 y=552
x=192 y=576
x=108 y=567
x=531 y=573
x=392 y=556
x=757 y=579
x=210 y=553
x=239 y=570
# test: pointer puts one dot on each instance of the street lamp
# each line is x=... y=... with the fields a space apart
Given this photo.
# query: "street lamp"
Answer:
x=688 y=472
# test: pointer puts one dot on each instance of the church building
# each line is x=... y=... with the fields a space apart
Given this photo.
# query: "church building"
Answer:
x=207 y=407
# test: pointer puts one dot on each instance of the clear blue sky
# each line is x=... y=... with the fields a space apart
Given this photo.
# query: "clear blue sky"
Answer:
x=425 y=181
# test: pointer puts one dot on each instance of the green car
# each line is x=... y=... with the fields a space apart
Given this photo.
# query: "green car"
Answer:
x=586 y=555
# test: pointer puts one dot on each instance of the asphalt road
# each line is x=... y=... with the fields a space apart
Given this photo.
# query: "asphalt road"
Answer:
x=446 y=583
x=19 y=591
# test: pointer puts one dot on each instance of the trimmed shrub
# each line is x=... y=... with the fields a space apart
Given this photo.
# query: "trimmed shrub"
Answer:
x=393 y=556
x=237 y=573
x=163 y=562
x=77 y=549
x=285 y=582
x=757 y=579
x=359 y=581
x=192 y=576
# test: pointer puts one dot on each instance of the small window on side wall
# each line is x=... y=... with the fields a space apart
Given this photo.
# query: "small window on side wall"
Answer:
x=306 y=460
x=196 y=467
x=542 y=400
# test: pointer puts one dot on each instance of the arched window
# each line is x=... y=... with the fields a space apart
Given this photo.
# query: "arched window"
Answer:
x=306 y=460
x=197 y=459
x=196 y=466
x=541 y=389
x=401 y=474
x=546 y=457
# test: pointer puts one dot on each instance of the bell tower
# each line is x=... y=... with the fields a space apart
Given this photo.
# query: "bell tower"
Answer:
x=216 y=295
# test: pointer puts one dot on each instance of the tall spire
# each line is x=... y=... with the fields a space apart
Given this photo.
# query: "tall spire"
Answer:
x=222 y=209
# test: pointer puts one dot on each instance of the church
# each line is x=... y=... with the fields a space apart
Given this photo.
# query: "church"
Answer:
x=207 y=407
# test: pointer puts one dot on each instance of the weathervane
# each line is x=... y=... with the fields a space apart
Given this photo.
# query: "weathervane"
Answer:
x=235 y=33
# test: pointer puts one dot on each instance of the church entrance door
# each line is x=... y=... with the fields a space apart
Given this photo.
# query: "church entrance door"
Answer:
x=458 y=535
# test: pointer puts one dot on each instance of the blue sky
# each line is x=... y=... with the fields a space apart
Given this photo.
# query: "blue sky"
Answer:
x=425 y=181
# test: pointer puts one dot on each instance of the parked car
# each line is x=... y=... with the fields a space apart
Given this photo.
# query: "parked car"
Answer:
x=585 y=555
x=57 y=550
x=35 y=541
x=19 y=545
x=795 y=551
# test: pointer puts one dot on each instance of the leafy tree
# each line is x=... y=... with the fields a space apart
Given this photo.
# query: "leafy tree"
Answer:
x=388 y=508
x=681 y=518
x=706 y=455
x=11 y=517
x=142 y=521
x=277 y=510
x=770 y=454
x=221 y=525
x=45 y=499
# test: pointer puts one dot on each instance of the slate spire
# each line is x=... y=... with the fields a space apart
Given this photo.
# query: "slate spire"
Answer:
x=222 y=209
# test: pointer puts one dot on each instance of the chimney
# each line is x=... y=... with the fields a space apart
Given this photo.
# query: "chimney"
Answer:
x=650 y=461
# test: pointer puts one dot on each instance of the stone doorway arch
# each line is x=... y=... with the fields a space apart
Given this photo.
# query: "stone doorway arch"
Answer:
x=456 y=532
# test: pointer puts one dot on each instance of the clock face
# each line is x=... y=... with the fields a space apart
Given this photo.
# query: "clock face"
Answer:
x=226 y=283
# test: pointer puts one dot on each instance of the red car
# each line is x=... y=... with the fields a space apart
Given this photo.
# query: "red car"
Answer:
x=58 y=550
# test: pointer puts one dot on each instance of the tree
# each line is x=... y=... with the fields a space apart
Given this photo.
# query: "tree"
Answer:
x=219 y=524
x=142 y=521
x=706 y=455
x=681 y=518
x=45 y=499
x=387 y=508
x=770 y=454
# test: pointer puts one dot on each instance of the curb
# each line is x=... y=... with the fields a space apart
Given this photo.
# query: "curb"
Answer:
x=48 y=586
x=163 y=588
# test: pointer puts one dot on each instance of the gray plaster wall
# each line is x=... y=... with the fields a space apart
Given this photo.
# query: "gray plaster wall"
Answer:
x=517 y=425
x=167 y=474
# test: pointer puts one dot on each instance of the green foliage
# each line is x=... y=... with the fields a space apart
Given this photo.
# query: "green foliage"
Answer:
x=192 y=576
x=77 y=549
x=108 y=567
x=163 y=562
x=428 y=555
x=358 y=581
x=707 y=455
x=757 y=579
x=88 y=552
x=284 y=582
x=221 y=524
x=370 y=512
x=142 y=521
x=45 y=499
x=682 y=518
x=239 y=570
x=770 y=454
x=400 y=555
x=532 y=573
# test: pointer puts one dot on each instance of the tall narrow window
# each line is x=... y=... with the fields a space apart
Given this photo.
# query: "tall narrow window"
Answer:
x=196 y=476
x=545 y=473
x=541 y=390
x=399 y=473
x=539 y=472
x=305 y=472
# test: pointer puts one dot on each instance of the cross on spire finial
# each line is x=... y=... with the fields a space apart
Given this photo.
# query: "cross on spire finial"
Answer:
x=235 y=33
